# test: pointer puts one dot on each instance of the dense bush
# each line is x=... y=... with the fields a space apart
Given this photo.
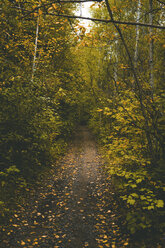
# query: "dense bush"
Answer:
x=33 y=135
x=137 y=176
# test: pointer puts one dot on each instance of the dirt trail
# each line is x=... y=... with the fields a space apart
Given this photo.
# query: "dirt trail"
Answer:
x=74 y=210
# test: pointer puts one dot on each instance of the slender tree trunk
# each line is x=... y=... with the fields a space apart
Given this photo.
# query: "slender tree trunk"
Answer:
x=35 y=47
x=80 y=9
x=151 y=50
x=116 y=62
x=137 y=32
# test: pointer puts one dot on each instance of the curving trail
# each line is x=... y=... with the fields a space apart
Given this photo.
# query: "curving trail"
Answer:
x=74 y=209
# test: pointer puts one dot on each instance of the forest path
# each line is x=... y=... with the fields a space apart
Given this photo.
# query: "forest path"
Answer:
x=75 y=210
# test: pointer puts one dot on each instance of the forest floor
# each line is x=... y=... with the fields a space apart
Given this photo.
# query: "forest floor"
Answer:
x=74 y=208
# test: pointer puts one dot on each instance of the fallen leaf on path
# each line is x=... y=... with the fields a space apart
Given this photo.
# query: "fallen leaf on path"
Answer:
x=126 y=243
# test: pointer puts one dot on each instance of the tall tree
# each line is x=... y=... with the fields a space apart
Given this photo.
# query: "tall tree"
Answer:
x=151 y=50
x=137 y=32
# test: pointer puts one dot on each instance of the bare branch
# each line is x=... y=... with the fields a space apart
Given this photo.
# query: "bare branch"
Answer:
x=109 y=21
x=50 y=4
x=86 y=18
x=161 y=2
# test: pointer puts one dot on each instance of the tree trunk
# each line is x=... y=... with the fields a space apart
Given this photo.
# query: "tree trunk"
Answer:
x=35 y=48
x=116 y=61
x=151 y=50
x=137 y=32
x=80 y=9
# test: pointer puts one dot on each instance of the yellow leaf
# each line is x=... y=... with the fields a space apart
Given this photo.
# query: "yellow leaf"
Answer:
x=99 y=110
x=35 y=243
x=40 y=12
x=54 y=6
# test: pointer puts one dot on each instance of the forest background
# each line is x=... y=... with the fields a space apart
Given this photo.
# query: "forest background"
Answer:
x=56 y=74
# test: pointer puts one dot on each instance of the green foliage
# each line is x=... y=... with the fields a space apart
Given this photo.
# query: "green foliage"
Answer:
x=121 y=133
x=128 y=122
x=28 y=137
x=36 y=116
x=87 y=77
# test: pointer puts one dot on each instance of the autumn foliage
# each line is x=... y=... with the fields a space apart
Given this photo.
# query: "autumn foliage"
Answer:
x=65 y=74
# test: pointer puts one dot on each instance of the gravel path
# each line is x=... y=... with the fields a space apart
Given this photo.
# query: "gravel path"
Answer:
x=74 y=210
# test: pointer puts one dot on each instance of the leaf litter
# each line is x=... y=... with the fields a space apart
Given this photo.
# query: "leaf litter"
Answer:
x=74 y=209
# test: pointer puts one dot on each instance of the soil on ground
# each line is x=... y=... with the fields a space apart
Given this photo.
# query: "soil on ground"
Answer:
x=74 y=209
